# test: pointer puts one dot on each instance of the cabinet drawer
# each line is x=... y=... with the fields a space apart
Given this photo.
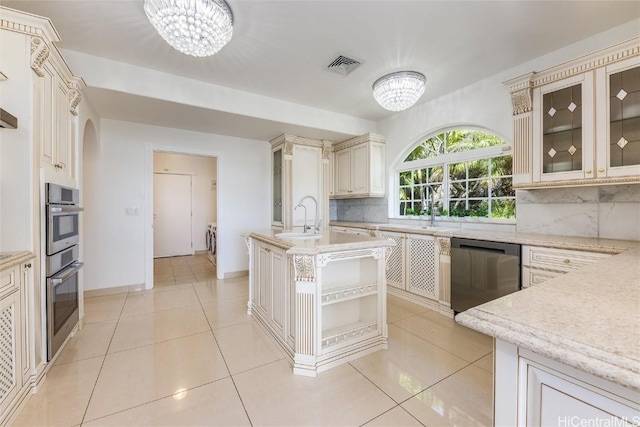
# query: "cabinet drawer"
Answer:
x=532 y=277
x=9 y=280
x=562 y=260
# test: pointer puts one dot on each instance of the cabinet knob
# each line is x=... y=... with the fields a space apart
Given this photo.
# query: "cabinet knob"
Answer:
x=27 y=265
x=601 y=170
x=588 y=171
x=567 y=261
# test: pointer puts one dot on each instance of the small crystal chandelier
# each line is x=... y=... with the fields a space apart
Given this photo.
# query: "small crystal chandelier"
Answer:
x=399 y=91
x=194 y=27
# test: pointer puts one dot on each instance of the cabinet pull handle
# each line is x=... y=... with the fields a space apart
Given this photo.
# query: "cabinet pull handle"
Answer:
x=567 y=261
x=588 y=171
x=601 y=170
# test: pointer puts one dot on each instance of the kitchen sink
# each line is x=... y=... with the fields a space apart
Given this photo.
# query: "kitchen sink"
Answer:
x=292 y=235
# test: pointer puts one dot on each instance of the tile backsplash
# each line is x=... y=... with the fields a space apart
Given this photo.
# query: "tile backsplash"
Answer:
x=609 y=212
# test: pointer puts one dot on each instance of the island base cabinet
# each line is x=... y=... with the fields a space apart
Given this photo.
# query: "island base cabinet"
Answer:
x=322 y=309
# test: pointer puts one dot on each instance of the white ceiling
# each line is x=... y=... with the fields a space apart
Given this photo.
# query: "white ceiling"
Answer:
x=280 y=48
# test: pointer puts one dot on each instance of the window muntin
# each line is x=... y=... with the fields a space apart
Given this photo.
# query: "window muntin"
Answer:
x=466 y=181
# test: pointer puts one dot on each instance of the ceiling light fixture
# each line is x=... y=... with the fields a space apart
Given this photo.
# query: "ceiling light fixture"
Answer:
x=194 y=27
x=399 y=91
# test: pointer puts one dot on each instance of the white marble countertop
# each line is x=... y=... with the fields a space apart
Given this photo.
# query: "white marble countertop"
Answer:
x=588 y=319
x=609 y=246
x=9 y=259
x=327 y=242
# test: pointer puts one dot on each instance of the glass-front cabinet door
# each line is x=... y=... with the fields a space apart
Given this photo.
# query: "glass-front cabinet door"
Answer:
x=276 y=176
x=564 y=125
x=619 y=119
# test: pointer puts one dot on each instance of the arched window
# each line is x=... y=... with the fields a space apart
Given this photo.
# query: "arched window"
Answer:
x=467 y=171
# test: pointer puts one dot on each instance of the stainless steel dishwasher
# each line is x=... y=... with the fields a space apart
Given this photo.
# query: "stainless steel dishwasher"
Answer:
x=482 y=271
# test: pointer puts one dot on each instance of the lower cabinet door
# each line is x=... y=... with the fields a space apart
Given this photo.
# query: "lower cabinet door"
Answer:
x=395 y=262
x=556 y=400
x=422 y=266
x=10 y=351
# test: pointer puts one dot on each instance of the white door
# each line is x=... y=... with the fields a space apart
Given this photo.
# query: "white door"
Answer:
x=171 y=215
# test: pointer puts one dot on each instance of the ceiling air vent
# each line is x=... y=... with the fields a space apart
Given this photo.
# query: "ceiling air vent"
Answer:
x=343 y=64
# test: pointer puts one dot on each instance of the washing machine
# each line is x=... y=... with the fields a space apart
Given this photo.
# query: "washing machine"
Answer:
x=211 y=241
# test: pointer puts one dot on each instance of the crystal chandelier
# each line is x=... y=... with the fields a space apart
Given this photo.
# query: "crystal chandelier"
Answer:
x=194 y=27
x=399 y=91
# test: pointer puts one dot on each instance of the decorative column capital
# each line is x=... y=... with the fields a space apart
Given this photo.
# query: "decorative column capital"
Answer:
x=326 y=150
x=522 y=101
x=288 y=148
x=74 y=99
x=305 y=269
x=444 y=245
x=39 y=54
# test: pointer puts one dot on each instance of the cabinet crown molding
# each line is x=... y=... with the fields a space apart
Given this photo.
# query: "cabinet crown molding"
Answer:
x=367 y=137
x=597 y=59
x=288 y=139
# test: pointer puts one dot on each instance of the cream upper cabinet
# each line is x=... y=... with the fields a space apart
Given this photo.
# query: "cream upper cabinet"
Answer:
x=300 y=167
x=579 y=123
x=56 y=98
x=618 y=85
x=359 y=167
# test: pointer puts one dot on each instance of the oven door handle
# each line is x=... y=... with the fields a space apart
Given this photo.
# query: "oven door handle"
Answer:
x=66 y=273
x=58 y=209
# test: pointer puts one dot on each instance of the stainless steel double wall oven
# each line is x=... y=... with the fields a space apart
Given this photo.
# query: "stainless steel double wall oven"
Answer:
x=62 y=266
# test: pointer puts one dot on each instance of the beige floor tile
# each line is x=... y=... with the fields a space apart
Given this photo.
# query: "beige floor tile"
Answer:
x=149 y=302
x=272 y=395
x=92 y=341
x=163 y=277
x=246 y=346
x=63 y=397
x=188 y=278
x=486 y=363
x=226 y=312
x=160 y=326
x=134 y=377
x=409 y=366
x=446 y=333
x=99 y=309
x=216 y=290
x=463 y=399
x=170 y=288
x=398 y=309
x=396 y=417
x=215 y=404
x=163 y=283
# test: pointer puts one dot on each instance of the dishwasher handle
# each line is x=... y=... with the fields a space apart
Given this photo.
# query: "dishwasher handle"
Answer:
x=487 y=246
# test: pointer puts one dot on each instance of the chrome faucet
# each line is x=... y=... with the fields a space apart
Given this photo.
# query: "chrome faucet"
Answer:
x=316 y=224
x=431 y=202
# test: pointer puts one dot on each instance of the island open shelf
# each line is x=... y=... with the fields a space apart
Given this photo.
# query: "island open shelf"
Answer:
x=323 y=300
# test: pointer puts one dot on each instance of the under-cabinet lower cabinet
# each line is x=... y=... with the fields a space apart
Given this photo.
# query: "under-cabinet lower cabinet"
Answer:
x=542 y=264
x=17 y=349
x=270 y=292
x=532 y=390
x=413 y=270
x=10 y=351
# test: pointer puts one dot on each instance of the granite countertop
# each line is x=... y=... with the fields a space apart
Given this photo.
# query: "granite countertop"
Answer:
x=12 y=258
x=328 y=241
x=609 y=246
x=588 y=319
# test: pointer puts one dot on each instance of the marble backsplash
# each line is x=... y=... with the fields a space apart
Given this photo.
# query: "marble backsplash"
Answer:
x=373 y=209
x=609 y=212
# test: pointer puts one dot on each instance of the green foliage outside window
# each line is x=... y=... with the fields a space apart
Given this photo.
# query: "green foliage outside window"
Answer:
x=479 y=187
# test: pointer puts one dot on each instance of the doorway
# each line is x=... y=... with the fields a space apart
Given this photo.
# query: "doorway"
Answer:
x=196 y=203
x=172 y=195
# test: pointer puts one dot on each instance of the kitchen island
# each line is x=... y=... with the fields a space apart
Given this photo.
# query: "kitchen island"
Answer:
x=322 y=297
x=567 y=351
